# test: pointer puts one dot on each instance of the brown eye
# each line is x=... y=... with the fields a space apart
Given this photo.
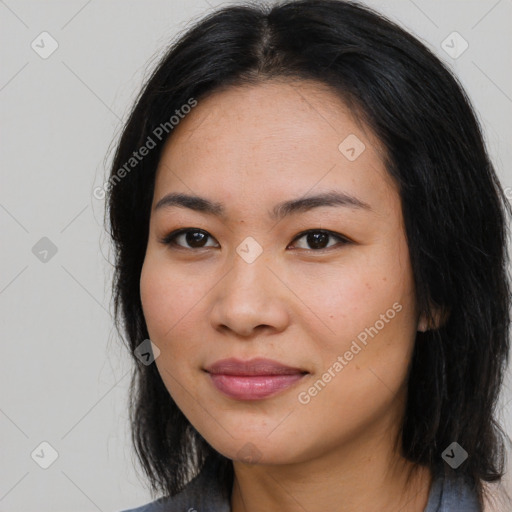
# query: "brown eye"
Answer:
x=319 y=239
x=192 y=238
x=189 y=238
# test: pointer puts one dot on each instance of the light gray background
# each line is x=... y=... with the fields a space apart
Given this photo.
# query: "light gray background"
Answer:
x=64 y=373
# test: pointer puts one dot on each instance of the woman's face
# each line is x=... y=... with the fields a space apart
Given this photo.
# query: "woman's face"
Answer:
x=335 y=307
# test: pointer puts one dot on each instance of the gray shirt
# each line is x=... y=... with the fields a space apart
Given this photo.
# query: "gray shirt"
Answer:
x=203 y=494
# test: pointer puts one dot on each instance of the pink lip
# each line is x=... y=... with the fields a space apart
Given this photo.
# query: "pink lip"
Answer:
x=254 y=379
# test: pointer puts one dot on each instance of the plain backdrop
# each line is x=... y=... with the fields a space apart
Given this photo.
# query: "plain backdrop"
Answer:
x=64 y=372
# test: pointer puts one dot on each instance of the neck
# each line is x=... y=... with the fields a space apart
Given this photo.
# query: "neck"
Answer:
x=365 y=476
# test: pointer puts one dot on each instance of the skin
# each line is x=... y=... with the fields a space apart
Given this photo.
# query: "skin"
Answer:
x=250 y=148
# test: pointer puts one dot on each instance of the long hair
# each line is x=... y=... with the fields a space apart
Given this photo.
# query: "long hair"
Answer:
x=454 y=210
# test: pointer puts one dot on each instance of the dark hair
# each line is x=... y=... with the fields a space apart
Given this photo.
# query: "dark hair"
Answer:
x=454 y=210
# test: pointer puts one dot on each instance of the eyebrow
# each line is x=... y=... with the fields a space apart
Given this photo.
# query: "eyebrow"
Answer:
x=280 y=210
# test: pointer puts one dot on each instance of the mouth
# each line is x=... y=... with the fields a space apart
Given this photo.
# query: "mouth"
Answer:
x=255 y=379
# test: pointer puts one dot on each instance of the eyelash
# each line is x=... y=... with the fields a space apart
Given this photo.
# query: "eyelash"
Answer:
x=171 y=237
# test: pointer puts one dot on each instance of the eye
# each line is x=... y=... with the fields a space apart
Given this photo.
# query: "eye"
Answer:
x=318 y=239
x=195 y=238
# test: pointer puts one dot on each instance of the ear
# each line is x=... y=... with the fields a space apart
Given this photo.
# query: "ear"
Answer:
x=439 y=317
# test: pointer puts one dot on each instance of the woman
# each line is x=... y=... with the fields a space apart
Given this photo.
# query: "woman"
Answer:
x=310 y=270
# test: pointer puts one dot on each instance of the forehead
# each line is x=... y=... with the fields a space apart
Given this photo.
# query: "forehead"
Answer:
x=271 y=138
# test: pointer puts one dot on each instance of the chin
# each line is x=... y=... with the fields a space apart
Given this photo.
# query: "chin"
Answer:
x=258 y=450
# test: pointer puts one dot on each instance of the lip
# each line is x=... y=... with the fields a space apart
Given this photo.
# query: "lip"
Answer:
x=254 y=379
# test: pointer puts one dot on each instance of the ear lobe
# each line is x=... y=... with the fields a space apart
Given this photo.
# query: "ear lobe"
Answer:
x=422 y=323
x=439 y=318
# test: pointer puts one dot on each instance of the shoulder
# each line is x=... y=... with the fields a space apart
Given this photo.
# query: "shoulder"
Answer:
x=498 y=495
x=155 y=506
x=201 y=494
x=452 y=493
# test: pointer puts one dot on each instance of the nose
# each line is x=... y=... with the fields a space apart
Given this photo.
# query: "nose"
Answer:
x=250 y=299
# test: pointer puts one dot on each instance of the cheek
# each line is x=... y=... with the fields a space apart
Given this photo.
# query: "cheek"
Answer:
x=169 y=302
x=369 y=307
x=167 y=298
x=355 y=299
x=364 y=363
